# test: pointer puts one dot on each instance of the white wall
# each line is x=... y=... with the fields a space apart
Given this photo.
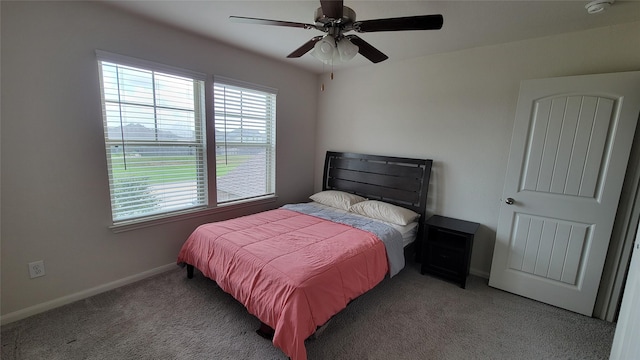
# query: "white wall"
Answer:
x=458 y=109
x=55 y=197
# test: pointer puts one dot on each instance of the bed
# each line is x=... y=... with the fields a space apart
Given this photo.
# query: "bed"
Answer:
x=297 y=266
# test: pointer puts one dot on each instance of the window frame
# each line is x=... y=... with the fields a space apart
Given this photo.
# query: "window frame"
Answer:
x=212 y=206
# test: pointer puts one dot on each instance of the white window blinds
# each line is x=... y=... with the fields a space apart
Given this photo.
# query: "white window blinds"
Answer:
x=154 y=136
x=245 y=132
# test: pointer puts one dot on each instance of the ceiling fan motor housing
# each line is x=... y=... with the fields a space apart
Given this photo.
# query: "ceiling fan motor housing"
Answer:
x=334 y=27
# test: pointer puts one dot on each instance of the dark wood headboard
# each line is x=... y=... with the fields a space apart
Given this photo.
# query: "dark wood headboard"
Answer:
x=399 y=181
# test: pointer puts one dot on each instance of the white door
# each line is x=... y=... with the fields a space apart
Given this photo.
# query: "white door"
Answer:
x=569 y=152
x=625 y=342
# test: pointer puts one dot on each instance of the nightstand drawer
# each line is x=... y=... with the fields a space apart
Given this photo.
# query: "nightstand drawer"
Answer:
x=445 y=260
x=447 y=238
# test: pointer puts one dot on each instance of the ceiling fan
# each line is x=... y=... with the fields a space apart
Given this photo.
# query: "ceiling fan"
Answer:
x=335 y=19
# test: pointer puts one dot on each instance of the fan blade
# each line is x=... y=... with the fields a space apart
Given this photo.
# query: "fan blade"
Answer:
x=422 y=22
x=304 y=48
x=332 y=8
x=249 y=20
x=365 y=49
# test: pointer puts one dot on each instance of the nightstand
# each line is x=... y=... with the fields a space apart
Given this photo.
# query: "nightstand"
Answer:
x=446 y=248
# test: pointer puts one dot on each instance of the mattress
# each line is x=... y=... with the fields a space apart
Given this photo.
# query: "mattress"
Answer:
x=408 y=232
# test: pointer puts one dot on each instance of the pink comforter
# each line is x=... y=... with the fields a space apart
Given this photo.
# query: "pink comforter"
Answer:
x=292 y=271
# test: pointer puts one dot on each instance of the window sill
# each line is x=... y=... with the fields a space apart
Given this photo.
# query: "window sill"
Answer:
x=187 y=214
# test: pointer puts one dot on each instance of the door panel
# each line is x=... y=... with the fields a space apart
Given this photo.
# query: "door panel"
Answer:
x=557 y=160
x=571 y=142
x=548 y=248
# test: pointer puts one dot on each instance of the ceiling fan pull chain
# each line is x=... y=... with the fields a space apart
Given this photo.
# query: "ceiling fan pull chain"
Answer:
x=331 y=68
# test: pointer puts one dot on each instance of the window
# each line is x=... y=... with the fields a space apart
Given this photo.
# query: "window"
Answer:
x=155 y=131
x=245 y=140
x=154 y=137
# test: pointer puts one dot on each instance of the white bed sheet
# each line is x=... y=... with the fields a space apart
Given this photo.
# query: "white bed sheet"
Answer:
x=408 y=231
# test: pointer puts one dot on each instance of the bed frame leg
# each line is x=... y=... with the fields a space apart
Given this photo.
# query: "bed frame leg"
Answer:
x=265 y=331
x=189 y=271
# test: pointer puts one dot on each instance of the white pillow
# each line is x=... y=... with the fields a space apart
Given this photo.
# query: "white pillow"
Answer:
x=385 y=212
x=337 y=199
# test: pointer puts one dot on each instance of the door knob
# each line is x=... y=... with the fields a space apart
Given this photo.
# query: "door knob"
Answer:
x=509 y=201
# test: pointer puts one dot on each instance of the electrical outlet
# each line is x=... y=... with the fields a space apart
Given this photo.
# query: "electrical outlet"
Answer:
x=36 y=269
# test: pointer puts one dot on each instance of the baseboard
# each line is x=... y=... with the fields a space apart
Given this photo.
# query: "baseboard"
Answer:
x=476 y=272
x=52 y=304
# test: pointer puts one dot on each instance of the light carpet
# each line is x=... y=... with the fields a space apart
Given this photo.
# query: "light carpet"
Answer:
x=410 y=316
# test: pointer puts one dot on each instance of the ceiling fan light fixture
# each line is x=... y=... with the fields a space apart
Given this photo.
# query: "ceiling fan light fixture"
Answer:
x=347 y=49
x=325 y=48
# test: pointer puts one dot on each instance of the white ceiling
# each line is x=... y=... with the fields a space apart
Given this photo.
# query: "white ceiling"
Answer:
x=467 y=24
